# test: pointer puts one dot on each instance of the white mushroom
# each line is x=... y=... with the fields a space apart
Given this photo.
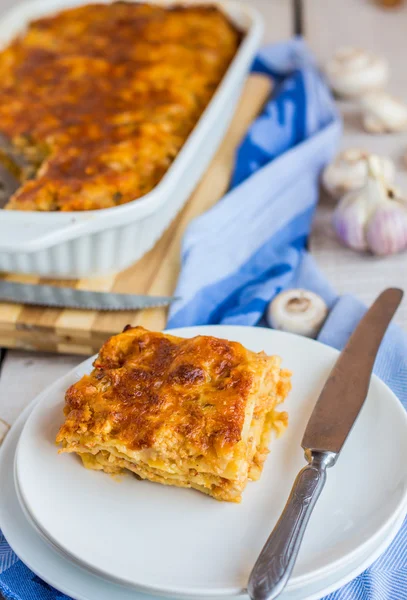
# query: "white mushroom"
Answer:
x=383 y=113
x=353 y=72
x=349 y=171
x=297 y=311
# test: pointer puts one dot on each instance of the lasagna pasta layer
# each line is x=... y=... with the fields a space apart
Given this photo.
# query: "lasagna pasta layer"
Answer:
x=189 y=412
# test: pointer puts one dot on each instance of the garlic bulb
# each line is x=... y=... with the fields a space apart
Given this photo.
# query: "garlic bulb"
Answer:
x=353 y=72
x=297 y=311
x=373 y=218
x=382 y=113
x=349 y=171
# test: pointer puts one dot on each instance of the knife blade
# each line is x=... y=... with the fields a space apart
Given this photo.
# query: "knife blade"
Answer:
x=331 y=421
x=63 y=297
x=346 y=388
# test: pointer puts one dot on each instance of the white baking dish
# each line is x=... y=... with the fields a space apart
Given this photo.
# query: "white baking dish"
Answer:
x=92 y=243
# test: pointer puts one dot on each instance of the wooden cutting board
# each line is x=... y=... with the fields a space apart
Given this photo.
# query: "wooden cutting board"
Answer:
x=83 y=332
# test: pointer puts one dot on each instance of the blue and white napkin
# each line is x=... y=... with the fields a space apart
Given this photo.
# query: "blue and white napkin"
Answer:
x=250 y=246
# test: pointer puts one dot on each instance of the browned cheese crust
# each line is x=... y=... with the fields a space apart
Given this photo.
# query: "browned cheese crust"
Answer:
x=194 y=412
x=99 y=99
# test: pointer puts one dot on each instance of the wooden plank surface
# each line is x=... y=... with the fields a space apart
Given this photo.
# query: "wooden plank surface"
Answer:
x=278 y=16
x=328 y=25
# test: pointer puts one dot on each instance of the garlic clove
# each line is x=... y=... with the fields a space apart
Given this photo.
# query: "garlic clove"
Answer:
x=375 y=173
x=297 y=311
x=349 y=171
x=349 y=221
x=386 y=232
x=383 y=113
x=353 y=72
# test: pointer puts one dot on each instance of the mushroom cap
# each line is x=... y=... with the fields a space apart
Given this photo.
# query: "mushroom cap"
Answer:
x=297 y=311
x=353 y=72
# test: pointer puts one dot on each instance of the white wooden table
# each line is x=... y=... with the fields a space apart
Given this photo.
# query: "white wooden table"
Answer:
x=328 y=23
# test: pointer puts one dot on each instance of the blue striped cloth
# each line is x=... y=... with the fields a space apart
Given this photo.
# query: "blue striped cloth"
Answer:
x=251 y=245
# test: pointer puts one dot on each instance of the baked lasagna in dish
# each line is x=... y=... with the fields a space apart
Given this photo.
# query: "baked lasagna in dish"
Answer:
x=96 y=101
x=194 y=413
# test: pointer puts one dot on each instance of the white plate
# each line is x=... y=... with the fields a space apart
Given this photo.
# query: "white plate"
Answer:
x=79 y=584
x=177 y=542
x=327 y=583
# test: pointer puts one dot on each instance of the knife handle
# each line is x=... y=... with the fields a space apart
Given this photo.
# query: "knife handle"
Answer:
x=276 y=561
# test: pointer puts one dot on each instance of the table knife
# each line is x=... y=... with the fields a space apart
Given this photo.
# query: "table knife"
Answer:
x=63 y=297
x=331 y=421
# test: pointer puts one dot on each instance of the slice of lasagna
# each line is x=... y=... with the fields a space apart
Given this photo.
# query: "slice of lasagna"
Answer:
x=187 y=412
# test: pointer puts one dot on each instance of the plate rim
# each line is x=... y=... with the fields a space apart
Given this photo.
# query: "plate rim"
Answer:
x=187 y=592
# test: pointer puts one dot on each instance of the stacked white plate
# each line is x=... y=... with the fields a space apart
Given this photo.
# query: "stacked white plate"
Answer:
x=97 y=538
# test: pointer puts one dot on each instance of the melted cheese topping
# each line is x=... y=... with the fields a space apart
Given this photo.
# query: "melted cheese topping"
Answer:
x=177 y=408
x=99 y=99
